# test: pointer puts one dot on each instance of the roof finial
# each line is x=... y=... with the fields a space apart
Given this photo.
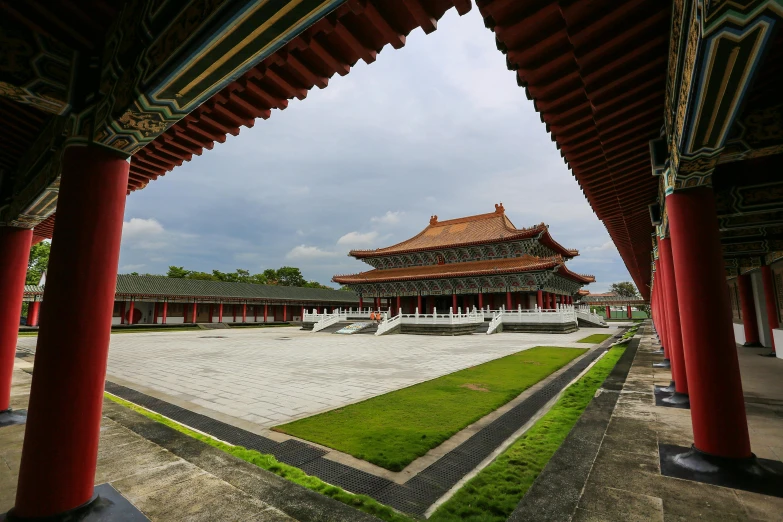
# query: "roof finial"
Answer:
x=433 y=220
x=499 y=209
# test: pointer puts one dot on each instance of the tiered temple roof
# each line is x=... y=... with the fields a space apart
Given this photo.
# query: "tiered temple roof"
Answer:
x=482 y=246
x=469 y=231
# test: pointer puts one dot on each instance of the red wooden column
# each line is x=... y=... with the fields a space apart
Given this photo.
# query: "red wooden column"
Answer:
x=165 y=311
x=717 y=404
x=14 y=253
x=155 y=313
x=209 y=319
x=266 y=310
x=509 y=306
x=664 y=323
x=285 y=312
x=32 y=313
x=608 y=312
x=418 y=304
x=131 y=310
x=749 y=319
x=769 y=299
x=57 y=470
x=630 y=315
x=540 y=298
x=244 y=312
x=377 y=303
x=673 y=325
x=220 y=312
x=481 y=300
x=399 y=304
x=454 y=302
x=122 y=312
x=195 y=313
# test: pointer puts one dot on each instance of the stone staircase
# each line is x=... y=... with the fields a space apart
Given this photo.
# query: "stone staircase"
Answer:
x=213 y=326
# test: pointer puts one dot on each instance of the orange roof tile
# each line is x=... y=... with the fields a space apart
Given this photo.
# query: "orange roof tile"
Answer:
x=467 y=231
x=467 y=269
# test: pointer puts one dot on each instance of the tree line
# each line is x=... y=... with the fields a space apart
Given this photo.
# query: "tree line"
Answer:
x=283 y=276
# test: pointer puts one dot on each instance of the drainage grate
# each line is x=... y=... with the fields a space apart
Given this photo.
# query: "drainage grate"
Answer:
x=413 y=497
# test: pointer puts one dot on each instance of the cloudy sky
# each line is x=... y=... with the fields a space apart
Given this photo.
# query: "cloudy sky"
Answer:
x=438 y=127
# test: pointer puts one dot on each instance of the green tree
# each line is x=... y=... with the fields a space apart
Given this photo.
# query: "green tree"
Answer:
x=202 y=276
x=37 y=262
x=290 y=276
x=178 y=271
x=624 y=289
x=270 y=276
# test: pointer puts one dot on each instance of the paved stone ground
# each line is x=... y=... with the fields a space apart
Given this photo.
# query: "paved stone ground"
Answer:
x=186 y=481
x=258 y=378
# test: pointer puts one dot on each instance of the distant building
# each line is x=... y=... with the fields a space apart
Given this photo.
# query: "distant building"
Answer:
x=476 y=261
x=166 y=300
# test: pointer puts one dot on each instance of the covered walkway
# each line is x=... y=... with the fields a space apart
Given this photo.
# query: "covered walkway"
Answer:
x=626 y=463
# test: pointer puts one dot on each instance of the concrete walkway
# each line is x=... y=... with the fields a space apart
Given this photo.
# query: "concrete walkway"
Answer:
x=625 y=482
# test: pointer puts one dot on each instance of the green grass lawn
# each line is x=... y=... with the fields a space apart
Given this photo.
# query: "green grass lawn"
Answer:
x=595 y=338
x=269 y=463
x=394 y=429
x=494 y=493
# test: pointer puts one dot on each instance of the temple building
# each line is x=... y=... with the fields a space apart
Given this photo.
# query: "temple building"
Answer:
x=148 y=300
x=474 y=262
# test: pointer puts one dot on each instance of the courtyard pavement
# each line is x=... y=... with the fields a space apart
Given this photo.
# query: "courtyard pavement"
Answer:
x=259 y=378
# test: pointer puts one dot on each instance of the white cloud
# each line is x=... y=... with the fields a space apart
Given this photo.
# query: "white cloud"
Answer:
x=131 y=268
x=606 y=247
x=390 y=218
x=357 y=238
x=309 y=252
x=138 y=227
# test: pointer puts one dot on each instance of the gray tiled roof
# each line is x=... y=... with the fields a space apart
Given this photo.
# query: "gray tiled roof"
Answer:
x=130 y=285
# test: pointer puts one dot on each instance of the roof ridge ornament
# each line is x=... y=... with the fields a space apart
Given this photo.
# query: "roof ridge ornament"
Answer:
x=434 y=220
x=499 y=209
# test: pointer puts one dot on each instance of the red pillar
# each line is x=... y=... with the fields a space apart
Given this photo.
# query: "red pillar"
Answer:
x=130 y=311
x=418 y=305
x=630 y=315
x=377 y=303
x=509 y=306
x=285 y=312
x=14 y=253
x=769 y=299
x=664 y=319
x=266 y=311
x=608 y=312
x=155 y=313
x=749 y=319
x=60 y=450
x=454 y=302
x=398 y=304
x=481 y=300
x=122 y=312
x=717 y=404
x=220 y=312
x=195 y=313
x=32 y=313
x=540 y=298
x=244 y=312
x=673 y=325
x=165 y=311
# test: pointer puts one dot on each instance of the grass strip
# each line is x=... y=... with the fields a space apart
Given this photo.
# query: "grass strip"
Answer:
x=493 y=494
x=595 y=338
x=269 y=463
x=394 y=429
